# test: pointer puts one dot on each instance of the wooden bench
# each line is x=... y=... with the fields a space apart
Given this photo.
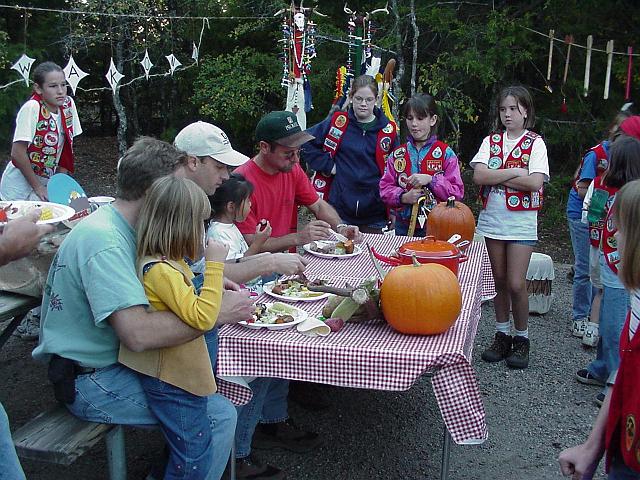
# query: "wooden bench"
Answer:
x=56 y=436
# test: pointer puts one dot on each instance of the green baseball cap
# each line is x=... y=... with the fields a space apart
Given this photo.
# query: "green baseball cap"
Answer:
x=283 y=128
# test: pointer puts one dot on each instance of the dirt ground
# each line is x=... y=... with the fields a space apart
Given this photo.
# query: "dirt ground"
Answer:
x=531 y=414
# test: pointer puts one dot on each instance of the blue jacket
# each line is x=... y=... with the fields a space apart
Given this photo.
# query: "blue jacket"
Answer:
x=355 y=192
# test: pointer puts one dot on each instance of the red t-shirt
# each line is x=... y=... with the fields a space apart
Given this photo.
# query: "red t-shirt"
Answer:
x=276 y=198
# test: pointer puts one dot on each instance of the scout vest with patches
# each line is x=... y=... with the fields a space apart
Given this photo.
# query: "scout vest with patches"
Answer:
x=431 y=163
x=623 y=422
x=516 y=200
x=602 y=162
x=337 y=128
x=595 y=228
x=186 y=366
x=43 y=149
x=609 y=244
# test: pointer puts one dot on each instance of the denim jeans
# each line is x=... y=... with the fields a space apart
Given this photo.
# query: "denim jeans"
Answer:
x=10 y=468
x=613 y=313
x=114 y=394
x=268 y=404
x=211 y=339
x=581 y=284
x=184 y=423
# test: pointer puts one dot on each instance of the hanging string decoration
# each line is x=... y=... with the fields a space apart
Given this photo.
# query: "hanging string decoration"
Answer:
x=113 y=76
x=73 y=73
x=23 y=67
x=146 y=64
x=173 y=62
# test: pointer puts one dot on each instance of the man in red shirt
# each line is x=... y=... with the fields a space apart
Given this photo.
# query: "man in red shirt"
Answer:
x=281 y=186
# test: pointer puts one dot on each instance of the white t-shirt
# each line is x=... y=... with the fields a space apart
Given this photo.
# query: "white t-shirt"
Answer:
x=229 y=234
x=13 y=185
x=496 y=221
x=634 y=321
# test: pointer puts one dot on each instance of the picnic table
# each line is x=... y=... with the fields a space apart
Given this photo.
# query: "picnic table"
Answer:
x=371 y=355
x=13 y=307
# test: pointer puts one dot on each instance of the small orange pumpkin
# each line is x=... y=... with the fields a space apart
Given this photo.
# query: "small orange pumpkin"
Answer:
x=450 y=217
x=421 y=299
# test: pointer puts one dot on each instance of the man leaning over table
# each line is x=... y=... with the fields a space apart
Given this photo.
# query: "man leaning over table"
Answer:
x=19 y=237
x=93 y=300
x=280 y=187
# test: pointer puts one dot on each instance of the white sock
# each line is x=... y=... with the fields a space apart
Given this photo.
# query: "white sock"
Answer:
x=504 y=327
x=522 y=333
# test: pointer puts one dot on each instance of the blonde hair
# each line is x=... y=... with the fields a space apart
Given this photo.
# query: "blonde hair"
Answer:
x=171 y=221
x=626 y=215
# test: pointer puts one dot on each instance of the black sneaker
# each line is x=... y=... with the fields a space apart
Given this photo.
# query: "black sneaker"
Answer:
x=499 y=349
x=250 y=468
x=600 y=399
x=584 y=376
x=519 y=357
x=284 y=435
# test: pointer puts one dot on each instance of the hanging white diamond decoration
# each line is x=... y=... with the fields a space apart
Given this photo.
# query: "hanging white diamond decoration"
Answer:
x=113 y=76
x=73 y=73
x=23 y=67
x=196 y=52
x=146 y=64
x=173 y=62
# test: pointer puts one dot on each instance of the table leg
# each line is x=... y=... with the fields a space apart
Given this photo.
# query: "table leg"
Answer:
x=446 y=450
x=6 y=333
x=232 y=462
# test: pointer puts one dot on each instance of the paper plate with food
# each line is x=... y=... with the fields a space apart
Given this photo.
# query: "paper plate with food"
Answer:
x=333 y=249
x=49 y=212
x=294 y=290
x=275 y=316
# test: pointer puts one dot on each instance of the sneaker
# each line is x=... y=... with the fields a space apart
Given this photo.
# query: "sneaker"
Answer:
x=579 y=326
x=284 y=435
x=499 y=349
x=519 y=357
x=599 y=399
x=29 y=328
x=591 y=335
x=250 y=468
x=583 y=376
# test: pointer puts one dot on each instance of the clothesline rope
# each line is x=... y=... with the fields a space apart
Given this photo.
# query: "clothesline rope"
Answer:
x=593 y=49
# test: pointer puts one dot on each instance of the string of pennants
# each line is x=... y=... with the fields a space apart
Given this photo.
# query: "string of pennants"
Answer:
x=569 y=42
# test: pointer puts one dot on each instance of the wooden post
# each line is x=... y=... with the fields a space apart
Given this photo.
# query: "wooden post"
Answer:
x=587 y=65
x=607 y=79
x=627 y=93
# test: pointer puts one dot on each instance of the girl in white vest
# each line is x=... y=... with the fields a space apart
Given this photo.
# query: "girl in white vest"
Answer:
x=511 y=167
x=43 y=139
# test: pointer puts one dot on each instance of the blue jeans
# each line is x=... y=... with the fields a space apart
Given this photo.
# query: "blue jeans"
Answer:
x=581 y=283
x=268 y=404
x=185 y=425
x=114 y=394
x=10 y=468
x=613 y=313
x=211 y=339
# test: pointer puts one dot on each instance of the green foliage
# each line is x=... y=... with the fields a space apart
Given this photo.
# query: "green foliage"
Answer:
x=556 y=194
x=234 y=90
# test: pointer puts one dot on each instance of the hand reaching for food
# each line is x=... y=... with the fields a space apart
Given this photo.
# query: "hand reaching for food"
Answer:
x=314 y=230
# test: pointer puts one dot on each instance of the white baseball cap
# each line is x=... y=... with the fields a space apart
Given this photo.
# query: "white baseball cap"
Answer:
x=203 y=139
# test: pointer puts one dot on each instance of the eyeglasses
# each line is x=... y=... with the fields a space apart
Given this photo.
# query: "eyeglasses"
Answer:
x=362 y=99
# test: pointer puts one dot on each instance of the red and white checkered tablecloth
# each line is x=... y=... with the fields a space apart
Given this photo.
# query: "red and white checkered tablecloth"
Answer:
x=371 y=355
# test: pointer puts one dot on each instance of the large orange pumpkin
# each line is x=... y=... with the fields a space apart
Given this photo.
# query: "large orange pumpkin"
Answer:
x=450 y=217
x=421 y=299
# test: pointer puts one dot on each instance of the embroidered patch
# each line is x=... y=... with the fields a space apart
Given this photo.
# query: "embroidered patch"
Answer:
x=44 y=111
x=48 y=150
x=51 y=139
x=35 y=157
x=526 y=143
x=388 y=128
x=385 y=144
x=525 y=159
x=610 y=226
x=494 y=163
x=613 y=257
x=330 y=144
x=526 y=201
x=433 y=165
x=603 y=163
x=41 y=125
x=402 y=180
x=595 y=234
x=629 y=432
x=37 y=141
x=319 y=183
x=50 y=161
x=335 y=132
x=437 y=152
x=495 y=149
x=399 y=152
x=535 y=200
x=53 y=125
x=399 y=164
x=341 y=120
x=612 y=242
x=496 y=137
x=516 y=153
x=514 y=201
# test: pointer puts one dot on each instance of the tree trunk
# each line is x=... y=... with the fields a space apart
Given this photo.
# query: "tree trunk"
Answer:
x=416 y=34
x=397 y=80
x=117 y=101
